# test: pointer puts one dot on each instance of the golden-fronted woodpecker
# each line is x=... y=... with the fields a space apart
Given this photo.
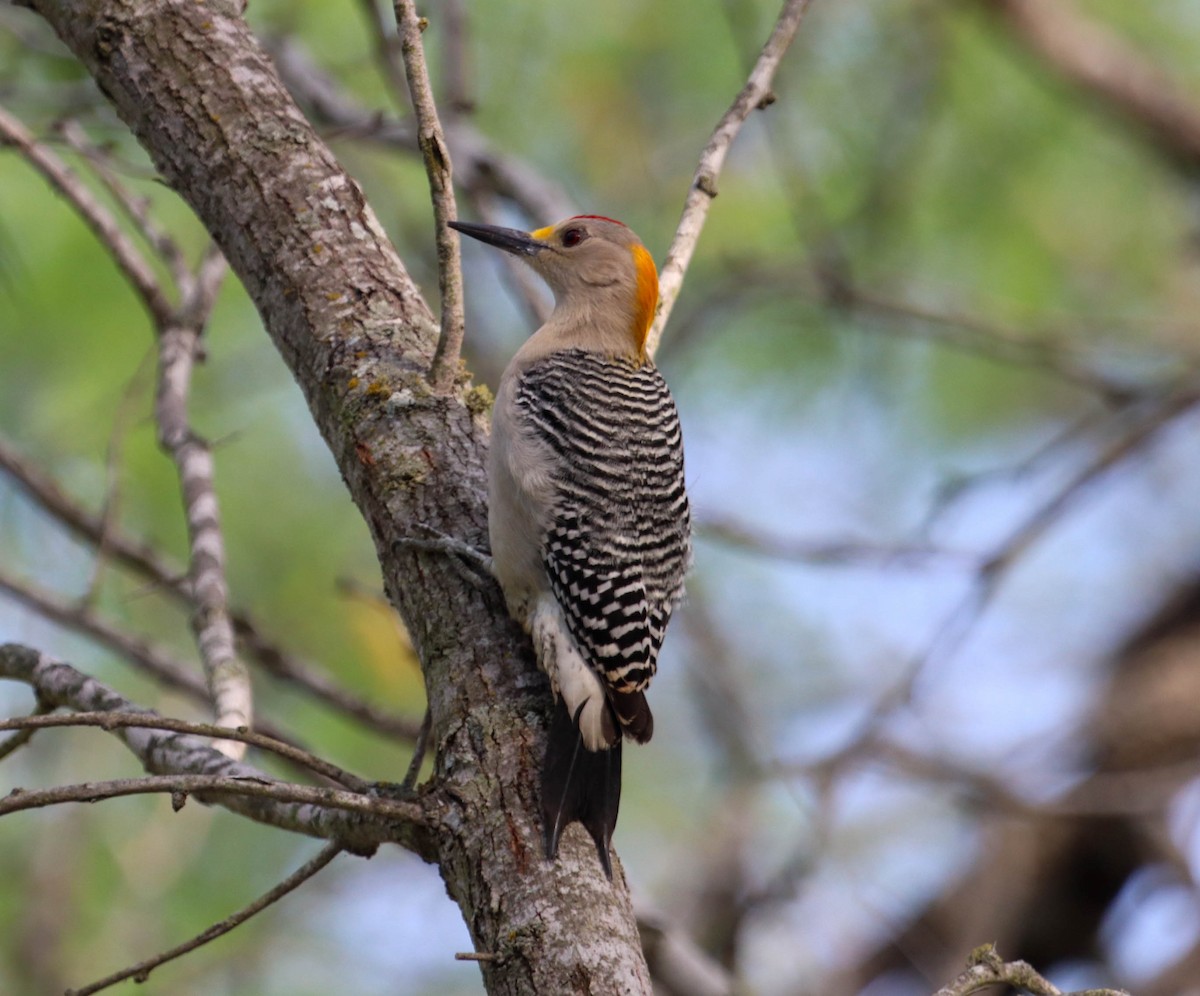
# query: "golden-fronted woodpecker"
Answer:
x=588 y=516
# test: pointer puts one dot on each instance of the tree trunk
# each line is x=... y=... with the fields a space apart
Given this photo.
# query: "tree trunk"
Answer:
x=202 y=97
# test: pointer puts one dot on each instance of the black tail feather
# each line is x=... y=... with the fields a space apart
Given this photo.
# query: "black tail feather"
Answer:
x=579 y=784
x=634 y=713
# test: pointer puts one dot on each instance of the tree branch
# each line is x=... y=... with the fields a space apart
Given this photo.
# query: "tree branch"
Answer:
x=212 y=788
x=1130 y=442
x=136 y=650
x=756 y=94
x=109 y=721
x=1071 y=360
x=1073 y=355
x=188 y=764
x=438 y=168
x=228 y=680
x=985 y=968
x=951 y=633
x=383 y=32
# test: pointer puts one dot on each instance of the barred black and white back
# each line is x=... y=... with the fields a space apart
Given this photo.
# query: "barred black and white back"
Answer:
x=616 y=546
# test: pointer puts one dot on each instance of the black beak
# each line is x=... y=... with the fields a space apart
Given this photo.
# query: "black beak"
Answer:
x=509 y=239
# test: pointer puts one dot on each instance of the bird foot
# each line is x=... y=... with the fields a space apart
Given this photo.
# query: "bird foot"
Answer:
x=481 y=563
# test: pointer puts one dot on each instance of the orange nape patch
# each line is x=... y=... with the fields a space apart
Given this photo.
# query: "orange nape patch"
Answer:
x=646 y=298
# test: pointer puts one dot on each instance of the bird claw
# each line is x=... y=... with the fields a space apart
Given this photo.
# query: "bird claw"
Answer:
x=441 y=543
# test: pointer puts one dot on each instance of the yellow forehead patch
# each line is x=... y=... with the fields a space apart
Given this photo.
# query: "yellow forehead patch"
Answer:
x=543 y=234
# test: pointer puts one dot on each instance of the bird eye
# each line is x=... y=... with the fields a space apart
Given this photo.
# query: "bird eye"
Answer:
x=572 y=237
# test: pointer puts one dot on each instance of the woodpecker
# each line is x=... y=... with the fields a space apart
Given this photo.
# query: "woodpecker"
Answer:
x=588 y=517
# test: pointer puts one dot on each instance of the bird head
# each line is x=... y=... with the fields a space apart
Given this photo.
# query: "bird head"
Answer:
x=595 y=266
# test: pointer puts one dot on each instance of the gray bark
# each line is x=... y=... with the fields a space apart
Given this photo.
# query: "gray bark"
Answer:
x=201 y=96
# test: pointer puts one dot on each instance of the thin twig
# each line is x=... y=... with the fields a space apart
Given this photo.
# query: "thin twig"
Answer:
x=200 y=288
x=1068 y=350
x=414 y=766
x=20 y=800
x=314 y=680
x=756 y=94
x=97 y=217
x=141 y=971
x=1125 y=445
x=178 y=334
x=676 y=961
x=435 y=152
x=228 y=680
x=1137 y=794
x=109 y=721
x=45 y=492
x=995 y=568
x=1090 y=424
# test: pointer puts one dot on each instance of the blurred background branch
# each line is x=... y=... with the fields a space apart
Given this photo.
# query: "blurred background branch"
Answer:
x=1114 y=74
